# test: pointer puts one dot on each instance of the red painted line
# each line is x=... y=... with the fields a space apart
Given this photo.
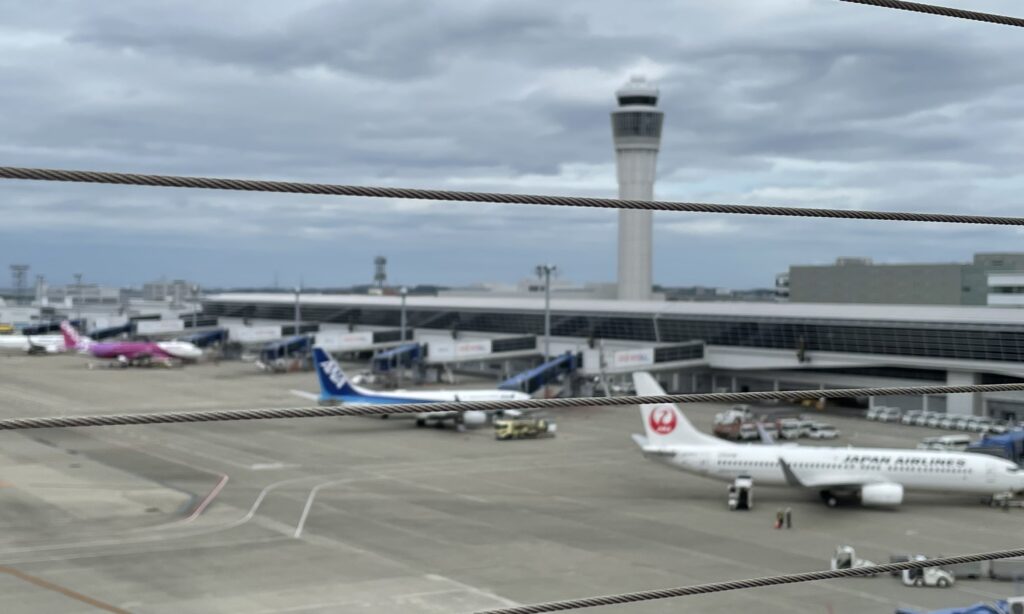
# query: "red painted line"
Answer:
x=208 y=499
x=63 y=590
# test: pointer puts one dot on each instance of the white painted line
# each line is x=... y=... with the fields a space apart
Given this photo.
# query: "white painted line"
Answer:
x=271 y=466
x=309 y=504
x=471 y=589
x=209 y=498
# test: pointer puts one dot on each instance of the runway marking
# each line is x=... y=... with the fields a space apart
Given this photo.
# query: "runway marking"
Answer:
x=208 y=498
x=63 y=590
x=444 y=491
x=309 y=504
x=471 y=589
x=272 y=466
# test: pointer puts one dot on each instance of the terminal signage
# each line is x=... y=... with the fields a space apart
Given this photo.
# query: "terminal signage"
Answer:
x=633 y=358
x=336 y=341
x=254 y=334
x=441 y=351
x=152 y=327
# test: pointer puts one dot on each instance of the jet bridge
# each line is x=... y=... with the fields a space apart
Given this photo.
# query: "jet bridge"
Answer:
x=112 y=331
x=532 y=380
x=404 y=356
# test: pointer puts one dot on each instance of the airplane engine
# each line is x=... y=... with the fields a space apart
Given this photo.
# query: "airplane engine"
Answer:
x=474 y=418
x=881 y=494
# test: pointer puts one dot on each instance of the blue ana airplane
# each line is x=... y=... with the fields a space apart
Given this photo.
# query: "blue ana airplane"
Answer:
x=335 y=387
x=871 y=476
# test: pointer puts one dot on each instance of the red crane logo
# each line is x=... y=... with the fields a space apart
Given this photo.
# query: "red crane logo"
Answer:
x=663 y=419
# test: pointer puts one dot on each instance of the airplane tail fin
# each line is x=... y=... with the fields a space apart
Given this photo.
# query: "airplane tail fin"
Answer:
x=665 y=423
x=72 y=339
x=333 y=382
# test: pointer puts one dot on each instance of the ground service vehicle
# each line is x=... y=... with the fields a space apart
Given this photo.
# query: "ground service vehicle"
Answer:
x=741 y=494
x=846 y=558
x=1009 y=570
x=748 y=432
x=820 y=430
x=929 y=576
x=789 y=428
x=957 y=443
x=1009 y=446
x=523 y=428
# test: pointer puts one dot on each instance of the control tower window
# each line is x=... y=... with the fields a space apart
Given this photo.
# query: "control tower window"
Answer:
x=648 y=100
x=638 y=123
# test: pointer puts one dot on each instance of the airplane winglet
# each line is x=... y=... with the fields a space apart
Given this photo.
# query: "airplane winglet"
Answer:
x=791 y=478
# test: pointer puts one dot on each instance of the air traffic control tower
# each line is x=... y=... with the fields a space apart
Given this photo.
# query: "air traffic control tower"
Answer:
x=636 y=129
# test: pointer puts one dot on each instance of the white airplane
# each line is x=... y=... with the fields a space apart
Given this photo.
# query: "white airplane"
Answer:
x=335 y=387
x=32 y=344
x=872 y=476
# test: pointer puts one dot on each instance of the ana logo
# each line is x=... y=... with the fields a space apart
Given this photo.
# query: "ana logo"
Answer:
x=663 y=419
x=333 y=372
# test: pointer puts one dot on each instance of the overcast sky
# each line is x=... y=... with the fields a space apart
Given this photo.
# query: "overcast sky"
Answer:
x=788 y=102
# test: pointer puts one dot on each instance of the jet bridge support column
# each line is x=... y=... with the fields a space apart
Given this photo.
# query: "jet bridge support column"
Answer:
x=963 y=404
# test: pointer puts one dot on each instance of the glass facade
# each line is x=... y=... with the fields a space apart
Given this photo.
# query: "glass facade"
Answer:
x=637 y=123
x=647 y=100
x=991 y=342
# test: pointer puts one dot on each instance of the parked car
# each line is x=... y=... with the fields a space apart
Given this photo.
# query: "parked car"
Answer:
x=933 y=420
x=820 y=430
x=910 y=416
x=960 y=423
x=748 y=432
x=980 y=425
x=957 y=443
x=998 y=429
x=890 y=414
x=946 y=422
x=922 y=419
x=788 y=428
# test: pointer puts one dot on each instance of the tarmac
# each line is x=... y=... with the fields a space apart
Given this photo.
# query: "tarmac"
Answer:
x=368 y=515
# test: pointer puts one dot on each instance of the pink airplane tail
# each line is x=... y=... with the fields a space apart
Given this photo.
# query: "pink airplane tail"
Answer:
x=72 y=340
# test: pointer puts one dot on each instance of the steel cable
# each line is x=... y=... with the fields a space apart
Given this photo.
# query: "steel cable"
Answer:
x=291 y=187
x=717 y=587
x=455 y=407
x=944 y=11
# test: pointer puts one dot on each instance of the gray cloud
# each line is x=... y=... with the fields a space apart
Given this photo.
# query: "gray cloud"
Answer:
x=802 y=102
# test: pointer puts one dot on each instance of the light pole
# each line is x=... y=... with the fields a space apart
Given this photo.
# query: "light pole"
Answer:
x=544 y=272
x=403 y=291
x=298 y=310
x=195 y=305
x=78 y=300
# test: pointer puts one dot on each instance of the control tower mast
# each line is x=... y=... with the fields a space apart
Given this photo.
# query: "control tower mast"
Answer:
x=636 y=129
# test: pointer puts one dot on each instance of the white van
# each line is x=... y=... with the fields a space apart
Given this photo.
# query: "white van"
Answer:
x=950 y=443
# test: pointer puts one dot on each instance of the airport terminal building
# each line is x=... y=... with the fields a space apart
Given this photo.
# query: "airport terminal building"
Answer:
x=702 y=346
